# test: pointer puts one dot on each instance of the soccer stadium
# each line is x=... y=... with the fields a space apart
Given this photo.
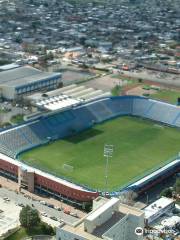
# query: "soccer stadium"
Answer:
x=64 y=150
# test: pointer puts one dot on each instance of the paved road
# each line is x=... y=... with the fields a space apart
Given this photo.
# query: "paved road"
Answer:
x=19 y=198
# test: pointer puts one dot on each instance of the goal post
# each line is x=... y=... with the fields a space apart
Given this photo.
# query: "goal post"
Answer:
x=68 y=168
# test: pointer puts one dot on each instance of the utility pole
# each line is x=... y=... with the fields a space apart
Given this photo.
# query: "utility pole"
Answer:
x=108 y=152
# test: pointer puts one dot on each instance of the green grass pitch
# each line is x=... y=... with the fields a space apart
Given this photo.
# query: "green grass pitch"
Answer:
x=139 y=146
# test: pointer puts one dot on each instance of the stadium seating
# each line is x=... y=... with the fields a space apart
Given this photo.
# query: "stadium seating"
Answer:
x=141 y=106
x=59 y=125
x=177 y=120
x=100 y=111
x=162 y=112
x=18 y=139
x=123 y=107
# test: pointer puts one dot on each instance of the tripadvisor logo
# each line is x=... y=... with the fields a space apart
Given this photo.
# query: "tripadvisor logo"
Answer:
x=139 y=231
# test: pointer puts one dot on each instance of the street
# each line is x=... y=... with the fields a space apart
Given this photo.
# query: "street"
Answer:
x=19 y=198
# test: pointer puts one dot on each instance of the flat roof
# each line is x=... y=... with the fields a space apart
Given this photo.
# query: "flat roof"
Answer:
x=9 y=216
x=23 y=75
x=102 y=209
x=79 y=231
x=100 y=230
x=157 y=206
x=126 y=209
x=9 y=66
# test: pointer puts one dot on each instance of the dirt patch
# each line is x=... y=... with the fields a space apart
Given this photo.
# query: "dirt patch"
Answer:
x=106 y=83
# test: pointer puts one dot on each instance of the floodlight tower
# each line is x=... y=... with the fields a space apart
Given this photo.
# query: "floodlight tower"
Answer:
x=108 y=152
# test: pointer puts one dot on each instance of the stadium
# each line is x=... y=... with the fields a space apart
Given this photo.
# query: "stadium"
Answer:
x=63 y=150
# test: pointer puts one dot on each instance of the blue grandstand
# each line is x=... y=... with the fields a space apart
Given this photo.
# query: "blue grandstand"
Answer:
x=57 y=125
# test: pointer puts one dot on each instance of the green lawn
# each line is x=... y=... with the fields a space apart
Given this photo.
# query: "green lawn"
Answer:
x=17 y=119
x=139 y=146
x=167 y=95
x=23 y=233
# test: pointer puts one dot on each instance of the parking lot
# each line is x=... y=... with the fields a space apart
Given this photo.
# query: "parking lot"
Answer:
x=7 y=111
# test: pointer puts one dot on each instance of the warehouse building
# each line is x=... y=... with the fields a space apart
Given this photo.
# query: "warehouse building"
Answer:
x=25 y=80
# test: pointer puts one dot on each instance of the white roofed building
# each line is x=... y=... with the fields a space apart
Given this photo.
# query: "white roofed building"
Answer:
x=158 y=208
x=65 y=97
x=110 y=220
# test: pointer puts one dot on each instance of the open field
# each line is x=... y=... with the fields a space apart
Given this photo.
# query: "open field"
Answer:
x=139 y=146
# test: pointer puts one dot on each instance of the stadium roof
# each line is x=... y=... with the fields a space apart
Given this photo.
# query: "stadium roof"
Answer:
x=155 y=173
x=58 y=102
x=65 y=97
x=22 y=76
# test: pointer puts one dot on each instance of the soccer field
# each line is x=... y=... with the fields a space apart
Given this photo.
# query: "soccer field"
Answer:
x=139 y=146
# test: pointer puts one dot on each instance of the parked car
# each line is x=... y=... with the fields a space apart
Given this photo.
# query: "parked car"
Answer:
x=54 y=218
x=66 y=211
x=43 y=202
x=44 y=214
x=20 y=204
x=73 y=214
x=50 y=205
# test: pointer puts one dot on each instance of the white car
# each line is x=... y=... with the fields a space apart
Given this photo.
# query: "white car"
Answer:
x=43 y=202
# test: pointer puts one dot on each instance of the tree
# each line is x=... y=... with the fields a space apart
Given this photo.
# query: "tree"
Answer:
x=128 y=197
x=47 y=229
x=18 y=39
x=116 y=91
x=87 y=206
x=177 y=186
x=29 y=217
x=167 y=192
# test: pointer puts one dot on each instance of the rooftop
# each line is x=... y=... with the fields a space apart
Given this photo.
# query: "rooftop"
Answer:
x=100 y=230
x=9 y=216
x=103 y=228
x=157 y=206
x=9 y=66
x=66 y=97
x=102 y=209
x=23 y=75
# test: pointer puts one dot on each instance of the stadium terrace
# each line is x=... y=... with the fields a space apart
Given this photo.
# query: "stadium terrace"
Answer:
x=59 y=125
